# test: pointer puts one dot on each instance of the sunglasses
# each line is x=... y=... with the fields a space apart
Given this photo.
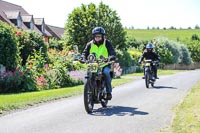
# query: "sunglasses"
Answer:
x=98 y=36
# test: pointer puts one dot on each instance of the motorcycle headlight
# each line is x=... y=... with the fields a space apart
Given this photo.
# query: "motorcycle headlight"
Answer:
x=93 y=67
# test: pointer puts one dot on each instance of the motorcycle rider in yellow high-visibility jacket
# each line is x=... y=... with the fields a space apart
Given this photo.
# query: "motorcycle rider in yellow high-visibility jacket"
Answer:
x=101 y=47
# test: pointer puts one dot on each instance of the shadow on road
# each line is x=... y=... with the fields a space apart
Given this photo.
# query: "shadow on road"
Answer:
x=163 y=87
x=118 y=110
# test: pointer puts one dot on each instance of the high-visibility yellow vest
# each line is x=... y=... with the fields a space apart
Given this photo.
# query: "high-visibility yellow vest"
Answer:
x=101 y=50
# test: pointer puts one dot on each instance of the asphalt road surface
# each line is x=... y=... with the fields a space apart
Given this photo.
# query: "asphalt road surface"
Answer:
x=133 y=109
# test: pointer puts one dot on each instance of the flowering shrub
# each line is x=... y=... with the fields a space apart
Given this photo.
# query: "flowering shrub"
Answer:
x=61 y=63
x=36 y=65
x=135 y=55
x=77 y=74
x=16 y=81
x=30 y=42
x=29 y=83
x=42 y=82
x=55 y=44
x=10 y=80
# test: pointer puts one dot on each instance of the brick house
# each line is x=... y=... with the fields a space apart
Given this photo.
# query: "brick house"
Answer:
x=17 y=16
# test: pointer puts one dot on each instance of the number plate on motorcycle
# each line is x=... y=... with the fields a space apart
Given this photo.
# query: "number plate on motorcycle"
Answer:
x=147 y=64
x=92 y=67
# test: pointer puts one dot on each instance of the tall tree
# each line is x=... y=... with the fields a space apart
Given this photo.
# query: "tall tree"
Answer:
x=197 y=26
x=83 y=19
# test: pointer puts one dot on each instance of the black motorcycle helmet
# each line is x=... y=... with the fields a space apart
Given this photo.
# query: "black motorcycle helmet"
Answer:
x=97 y=31
x=149 y=47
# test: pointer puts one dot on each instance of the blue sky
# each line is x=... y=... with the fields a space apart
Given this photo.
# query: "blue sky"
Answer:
x=137 y=13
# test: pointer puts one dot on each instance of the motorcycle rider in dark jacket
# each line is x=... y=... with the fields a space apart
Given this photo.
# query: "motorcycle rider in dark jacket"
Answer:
x=149 y=54
x=101 y=47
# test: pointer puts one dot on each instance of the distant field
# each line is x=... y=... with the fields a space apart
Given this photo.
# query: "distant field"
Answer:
x=170 y=34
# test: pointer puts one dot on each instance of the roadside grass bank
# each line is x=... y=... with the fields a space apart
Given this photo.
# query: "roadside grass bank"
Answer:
x=187 y=113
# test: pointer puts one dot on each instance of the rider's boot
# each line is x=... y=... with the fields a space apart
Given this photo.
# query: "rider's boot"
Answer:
x=153 y=79
x=109 y=96
x=156 y=77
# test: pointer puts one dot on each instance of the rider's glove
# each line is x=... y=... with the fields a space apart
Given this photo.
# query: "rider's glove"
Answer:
x=111 y=58
x=82 y=60
x=158 y=63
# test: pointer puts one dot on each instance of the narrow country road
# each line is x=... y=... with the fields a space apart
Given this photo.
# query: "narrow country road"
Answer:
x=133 y=109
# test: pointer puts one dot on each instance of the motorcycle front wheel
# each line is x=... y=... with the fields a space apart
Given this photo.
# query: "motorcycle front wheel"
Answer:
x=152 y=84
x=88 y=97
x=147 y=79
x=104 y=102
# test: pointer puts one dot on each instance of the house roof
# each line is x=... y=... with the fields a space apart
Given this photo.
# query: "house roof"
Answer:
x=58 y=32
x=11 y=11
x=37 y=30
x=9 y=7
x=6 y=6
x=46 y=33
x=27 y=18
x=12 y=14
x=24 y=27
x=4 y=18
x=38 y=21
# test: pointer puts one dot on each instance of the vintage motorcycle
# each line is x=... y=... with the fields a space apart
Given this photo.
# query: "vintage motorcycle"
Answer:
x=149 y=74
x=94 y=87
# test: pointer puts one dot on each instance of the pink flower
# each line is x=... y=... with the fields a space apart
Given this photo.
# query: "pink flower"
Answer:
x=41 y=81
x=18 y=33
x=21 y=74
x=46 y=67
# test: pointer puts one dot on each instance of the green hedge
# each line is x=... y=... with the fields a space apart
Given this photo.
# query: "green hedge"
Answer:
x=194 y=48
x=9 y=52
x=172 y=52
x=124 y=59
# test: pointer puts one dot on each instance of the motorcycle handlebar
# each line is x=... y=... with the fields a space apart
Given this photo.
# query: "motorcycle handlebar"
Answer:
x=98 y=61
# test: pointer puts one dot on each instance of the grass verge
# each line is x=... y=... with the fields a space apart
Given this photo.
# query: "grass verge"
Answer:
x=160 y=72
x=187 y=114
x=10 y=102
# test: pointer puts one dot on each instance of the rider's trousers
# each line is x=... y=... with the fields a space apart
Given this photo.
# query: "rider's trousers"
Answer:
x=106 y=72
